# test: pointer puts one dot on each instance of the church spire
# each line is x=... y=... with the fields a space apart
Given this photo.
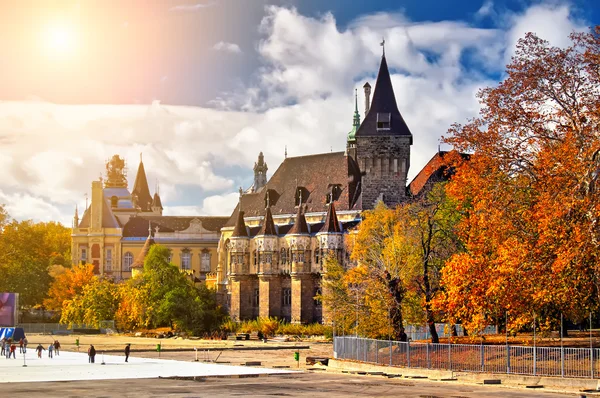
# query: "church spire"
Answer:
x=76 y=218
x=141 y=190
x=260 y=172
x=351 y=140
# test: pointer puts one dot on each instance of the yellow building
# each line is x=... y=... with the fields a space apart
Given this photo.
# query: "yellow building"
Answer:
x=113 y=229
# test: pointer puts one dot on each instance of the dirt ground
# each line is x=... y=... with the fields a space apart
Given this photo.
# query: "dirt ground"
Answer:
x=270 y=354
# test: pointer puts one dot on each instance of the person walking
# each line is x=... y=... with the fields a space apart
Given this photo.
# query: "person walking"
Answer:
x=21 y=346
x=50 y=350
x=56 y=347
x=39 y=350
x=24 y=344
x=91 y=354
x=7 y=348
x=127 y=351
x=2 y=343
x=13 y=350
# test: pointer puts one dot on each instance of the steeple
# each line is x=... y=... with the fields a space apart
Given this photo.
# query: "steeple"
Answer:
x=300 y=226
x=268 y=226
x=383 y=118
x=260 y=173
x=76 y=218
x=141 y=190
x=332 y=224
x=351 y=141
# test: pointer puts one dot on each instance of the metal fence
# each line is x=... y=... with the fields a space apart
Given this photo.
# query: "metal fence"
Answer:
x=51 y=327
x=422 y=332
x=536 y=361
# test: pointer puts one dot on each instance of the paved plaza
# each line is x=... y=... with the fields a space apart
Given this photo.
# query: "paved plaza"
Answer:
x=72 y=366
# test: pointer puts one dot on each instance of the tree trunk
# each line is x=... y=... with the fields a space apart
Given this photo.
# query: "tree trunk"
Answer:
x=428 y=296
x=396 y=290
x=431 y=323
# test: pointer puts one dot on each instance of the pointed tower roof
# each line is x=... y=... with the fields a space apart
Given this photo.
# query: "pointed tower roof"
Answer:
x=268 y=226
x=384 y=102
x=332 y=224
x=141 y=190
x=300 y=226
x=156 y=202
x=240 y=230
x=139 y=260
x=355 y=120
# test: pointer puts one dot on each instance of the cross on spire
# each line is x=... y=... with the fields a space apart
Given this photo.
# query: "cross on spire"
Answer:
x=382 y=44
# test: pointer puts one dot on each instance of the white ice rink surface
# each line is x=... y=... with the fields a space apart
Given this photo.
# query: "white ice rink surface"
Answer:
x=74 y=366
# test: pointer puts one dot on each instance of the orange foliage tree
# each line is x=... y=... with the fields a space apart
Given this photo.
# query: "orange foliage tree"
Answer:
x=68 y=283
x=529 y=195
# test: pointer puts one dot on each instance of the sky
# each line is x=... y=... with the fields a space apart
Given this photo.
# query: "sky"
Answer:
x=200 y=87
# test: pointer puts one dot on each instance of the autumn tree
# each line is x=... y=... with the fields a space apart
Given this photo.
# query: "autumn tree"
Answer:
x=529 y=194
x=98 y=301
x=27 y=251
x=67 y=283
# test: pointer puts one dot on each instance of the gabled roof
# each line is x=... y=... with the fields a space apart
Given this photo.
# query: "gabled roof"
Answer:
x=156 y=201
x=384 y=101
x=138 y=226
x=315 y=173
x=141 y=190
x=240 y=230
x=139 y=260
x=331 y=224
x=436 y=170
x=268 y=226
x=300 y=226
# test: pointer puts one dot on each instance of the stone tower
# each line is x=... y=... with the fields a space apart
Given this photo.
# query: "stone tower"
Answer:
x=383 y=143
x=260 y=173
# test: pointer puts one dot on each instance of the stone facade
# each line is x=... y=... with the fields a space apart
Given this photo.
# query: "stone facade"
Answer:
x=385 y=161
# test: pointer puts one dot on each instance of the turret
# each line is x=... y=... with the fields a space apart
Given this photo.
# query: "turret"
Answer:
x=367 y=89
x=351 y=142
x=260 y=173
x=298 y=240
x=76 y=218
x=266 y=243
x=239 y=244
x=140 y=189
x=331 y=238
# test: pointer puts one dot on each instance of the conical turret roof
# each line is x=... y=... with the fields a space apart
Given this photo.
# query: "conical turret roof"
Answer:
x=300 y=226
x=384 y=102
x=156 y=202
x=240 y=231
x=139 y=260
x=141 y=190
x=268 y=226
x=332 y=224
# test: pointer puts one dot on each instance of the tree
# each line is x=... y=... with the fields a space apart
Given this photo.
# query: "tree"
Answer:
x=98 y=301
x=529 y=193
x=27 y=251
x=68 y=283
x=4 y=217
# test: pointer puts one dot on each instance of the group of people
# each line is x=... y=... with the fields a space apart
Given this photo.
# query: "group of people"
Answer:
x=52 y=348
x=92 y=353
x=9 y=347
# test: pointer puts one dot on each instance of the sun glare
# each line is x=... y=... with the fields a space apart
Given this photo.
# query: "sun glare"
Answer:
x=60 y=39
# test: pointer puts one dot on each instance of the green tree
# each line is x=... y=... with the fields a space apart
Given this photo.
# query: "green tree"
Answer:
x=98 y=301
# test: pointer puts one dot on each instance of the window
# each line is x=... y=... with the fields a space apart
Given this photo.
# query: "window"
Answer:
x=127 y=261
x=286 y=297
x=186 y=260
x=83 y=256
x=205 y=262
x=255 y=298
x=255 y=257
x=300 y=257
x=316 y=297
x=114 y=201
x=108 y=261
x=268 y=258
x=383 y=121
x=284 y=257
x=318 y=256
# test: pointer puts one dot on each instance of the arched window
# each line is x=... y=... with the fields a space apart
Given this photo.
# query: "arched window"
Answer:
x=127 y=261
x=205 y=261
x=317 y=256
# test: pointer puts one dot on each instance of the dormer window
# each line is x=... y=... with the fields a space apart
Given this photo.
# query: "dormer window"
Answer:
x=114 y=202
x=333 y=192
x=384 y=121
x=301 y=196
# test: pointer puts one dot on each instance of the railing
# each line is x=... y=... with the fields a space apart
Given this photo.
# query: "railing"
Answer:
x=536 y=361
x=421 y=332
x=51 y=327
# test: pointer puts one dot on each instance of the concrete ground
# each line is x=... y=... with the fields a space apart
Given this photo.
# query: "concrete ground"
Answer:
x=305 y=384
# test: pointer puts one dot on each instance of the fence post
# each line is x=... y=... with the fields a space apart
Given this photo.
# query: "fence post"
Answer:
x=376 y=351
x=390 y=352
x=591 y=350
x=482 y=356
x=507 y=359
x=449 y=356
x=428 y=364
x=408 y=353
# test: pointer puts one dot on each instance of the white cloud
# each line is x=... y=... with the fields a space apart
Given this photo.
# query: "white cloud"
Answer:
x=302 y=98
x=192 y=7
x=227 y=47
x=486 y=10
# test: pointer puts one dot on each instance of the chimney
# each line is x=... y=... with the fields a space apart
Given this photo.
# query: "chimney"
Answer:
x=367 y=88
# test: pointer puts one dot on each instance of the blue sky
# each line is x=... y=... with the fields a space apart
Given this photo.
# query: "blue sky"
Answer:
x=201 y=86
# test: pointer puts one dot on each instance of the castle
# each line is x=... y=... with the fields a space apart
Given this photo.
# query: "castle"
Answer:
x=266 y=258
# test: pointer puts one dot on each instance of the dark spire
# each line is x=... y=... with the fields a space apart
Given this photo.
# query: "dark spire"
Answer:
x=383 y=109
x=268 y=226
x=240 y=231
x=332 y=224
x=141 y=190
x=300 y=226
x=156 y=201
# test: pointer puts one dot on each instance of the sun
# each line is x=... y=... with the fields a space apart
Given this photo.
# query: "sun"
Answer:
x=60 y=39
